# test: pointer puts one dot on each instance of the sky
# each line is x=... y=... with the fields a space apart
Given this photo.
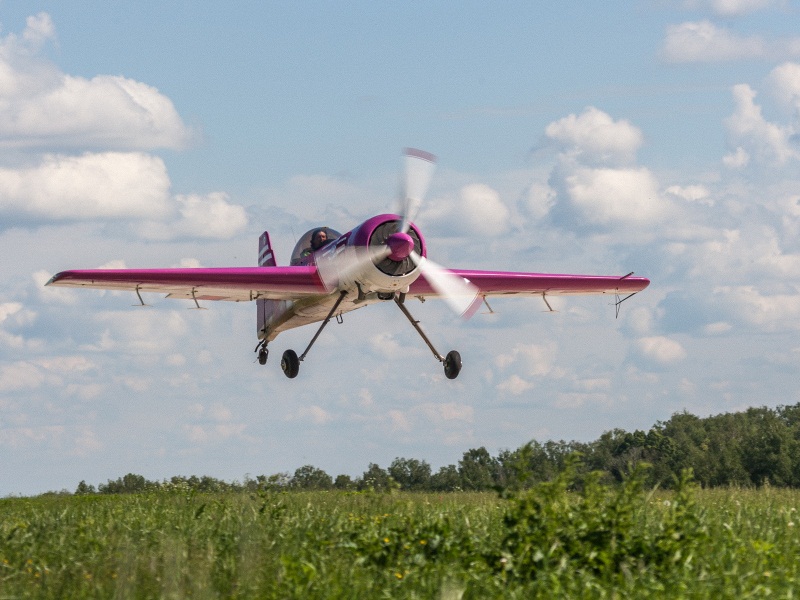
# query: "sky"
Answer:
x=654 y=136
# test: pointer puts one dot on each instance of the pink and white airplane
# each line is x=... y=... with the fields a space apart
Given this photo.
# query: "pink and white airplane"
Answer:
x=383 y=258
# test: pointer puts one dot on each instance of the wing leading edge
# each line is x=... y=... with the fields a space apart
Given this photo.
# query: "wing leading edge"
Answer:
x=239 y=284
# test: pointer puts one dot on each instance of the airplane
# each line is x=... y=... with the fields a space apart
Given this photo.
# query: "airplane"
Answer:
x=382 y=259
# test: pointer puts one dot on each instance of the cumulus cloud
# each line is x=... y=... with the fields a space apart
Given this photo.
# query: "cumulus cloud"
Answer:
x=615 y=195
x=514 y=385
x=104 y=185
x=211 y=217
x=42 y=107
x=768 y=312
x=596 y=181
x=483 y=210
x=784 y=81
x=148 y=333
x=706 y=42
x=748 y=129
x=109 y=118
x=533 y=360
x=596 y=137
x=662 y=350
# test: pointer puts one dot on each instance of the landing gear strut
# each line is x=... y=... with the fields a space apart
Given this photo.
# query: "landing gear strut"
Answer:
x=451 y=362
x=290 y=362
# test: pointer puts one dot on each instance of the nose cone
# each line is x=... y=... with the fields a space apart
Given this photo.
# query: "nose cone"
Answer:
x=401 y=246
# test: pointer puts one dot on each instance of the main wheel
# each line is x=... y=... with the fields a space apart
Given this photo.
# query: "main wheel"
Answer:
x=290 y=364
x=452 y=364
x=262 y=356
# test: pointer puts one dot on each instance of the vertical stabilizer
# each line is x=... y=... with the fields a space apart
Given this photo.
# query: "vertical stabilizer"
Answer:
x=266 y=258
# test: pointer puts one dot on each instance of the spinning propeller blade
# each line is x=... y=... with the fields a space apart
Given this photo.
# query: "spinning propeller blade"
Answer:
x=459 y=293
x=419 y=167
x=349 y=264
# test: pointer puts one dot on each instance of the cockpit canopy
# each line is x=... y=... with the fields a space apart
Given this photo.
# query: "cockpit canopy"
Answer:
x=303 y=246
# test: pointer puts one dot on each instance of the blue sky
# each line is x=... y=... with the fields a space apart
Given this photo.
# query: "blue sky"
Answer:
x=658 y=137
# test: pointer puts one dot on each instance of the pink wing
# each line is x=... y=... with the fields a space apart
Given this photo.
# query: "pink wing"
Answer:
x=234 y=284
x=498 y=283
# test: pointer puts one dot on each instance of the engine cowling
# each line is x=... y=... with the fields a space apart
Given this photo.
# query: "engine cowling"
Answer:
x=375 y=255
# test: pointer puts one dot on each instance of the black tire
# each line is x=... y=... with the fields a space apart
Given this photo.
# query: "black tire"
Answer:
x=262 y=356
x=452 y=364
x=290 y=364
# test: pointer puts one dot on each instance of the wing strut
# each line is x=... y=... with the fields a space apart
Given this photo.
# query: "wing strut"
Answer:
x=544 y=297
x=617 y=300
x=196 y=303
x=138 y=295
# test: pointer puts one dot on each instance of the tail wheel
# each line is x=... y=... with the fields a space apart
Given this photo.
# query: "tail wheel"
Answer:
x=452 y=364
x=262 y=356
x=290 y=364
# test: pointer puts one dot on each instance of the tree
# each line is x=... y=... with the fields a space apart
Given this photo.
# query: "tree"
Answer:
x=446 y=479
x=374 y=478
x=410 y=473
x=343 y=482
x=129 y=484
x=309 y=477
x=477 y=469
x=84 y=489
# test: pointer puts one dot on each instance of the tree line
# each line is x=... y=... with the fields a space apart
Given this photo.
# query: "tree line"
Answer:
x=760 y=446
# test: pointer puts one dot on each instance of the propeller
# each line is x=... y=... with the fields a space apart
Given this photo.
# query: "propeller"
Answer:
x=460 y=294
x=419 y=167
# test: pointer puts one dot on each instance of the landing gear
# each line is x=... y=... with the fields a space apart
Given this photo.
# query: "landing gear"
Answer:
x=451 y=362
x=290 y=364
x=263 y=352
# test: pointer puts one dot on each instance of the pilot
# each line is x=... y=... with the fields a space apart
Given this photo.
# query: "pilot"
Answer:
x=319 y=238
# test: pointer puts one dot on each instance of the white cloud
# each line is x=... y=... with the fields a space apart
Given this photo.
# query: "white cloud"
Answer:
x=703 y=41
x=483 y=210
x=533 y=360
x=204 y=217
x=706 y=42
x=768 y=312
x=732 y=8
x=737 y=159
x=692 y=193
x=662 y=349
x=315 y=414
x=20 y=437
x=20 y=375
x=784 y=81
x=514 y=385
x=595 y=137
x=449 y=411
x=107 y=185
x=748 y=129
x=42 y=107
x=143 y=331
x=606 y=195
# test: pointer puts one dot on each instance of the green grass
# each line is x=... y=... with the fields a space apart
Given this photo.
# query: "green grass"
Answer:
x=547 y=542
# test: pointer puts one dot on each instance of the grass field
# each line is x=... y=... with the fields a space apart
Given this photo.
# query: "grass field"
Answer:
x=547 y=542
